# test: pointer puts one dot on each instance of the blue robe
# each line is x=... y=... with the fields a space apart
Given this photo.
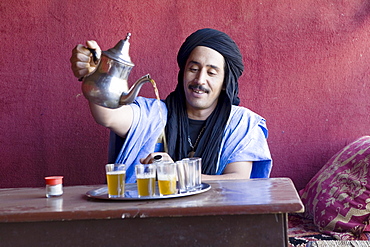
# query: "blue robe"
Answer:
x=244 y=139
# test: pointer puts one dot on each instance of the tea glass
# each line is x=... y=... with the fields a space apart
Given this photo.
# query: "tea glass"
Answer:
x=166 y=172
x=145 y=178
x=116 y=176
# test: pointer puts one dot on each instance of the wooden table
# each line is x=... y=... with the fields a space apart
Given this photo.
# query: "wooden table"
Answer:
x=232 y=213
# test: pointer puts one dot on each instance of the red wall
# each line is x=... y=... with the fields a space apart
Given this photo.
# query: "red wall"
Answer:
x=307 y=73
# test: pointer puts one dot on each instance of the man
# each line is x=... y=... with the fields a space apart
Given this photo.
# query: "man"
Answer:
x=201 y=117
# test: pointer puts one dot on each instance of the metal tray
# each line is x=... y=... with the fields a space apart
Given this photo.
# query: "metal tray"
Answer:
x=131 y=193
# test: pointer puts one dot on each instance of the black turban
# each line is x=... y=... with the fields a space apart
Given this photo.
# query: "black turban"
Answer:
x=177 y=129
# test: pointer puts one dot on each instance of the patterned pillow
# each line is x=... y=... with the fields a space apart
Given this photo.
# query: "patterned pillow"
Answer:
x=337 y=198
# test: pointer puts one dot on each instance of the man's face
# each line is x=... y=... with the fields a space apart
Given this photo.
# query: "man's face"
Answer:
x=203 y=81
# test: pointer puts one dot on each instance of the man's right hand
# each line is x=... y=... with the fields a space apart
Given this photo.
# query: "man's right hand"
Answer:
x=82 y=61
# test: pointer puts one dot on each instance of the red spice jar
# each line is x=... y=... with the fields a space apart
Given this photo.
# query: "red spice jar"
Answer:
x=54 y=186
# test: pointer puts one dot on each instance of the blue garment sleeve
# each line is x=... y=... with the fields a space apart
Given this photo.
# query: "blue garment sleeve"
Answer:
x=245 y=139
x=142 y=137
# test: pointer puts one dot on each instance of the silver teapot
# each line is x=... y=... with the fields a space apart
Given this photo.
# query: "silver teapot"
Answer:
x=107 y=84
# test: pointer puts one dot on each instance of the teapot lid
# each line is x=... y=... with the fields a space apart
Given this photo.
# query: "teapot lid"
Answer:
x=120 y=52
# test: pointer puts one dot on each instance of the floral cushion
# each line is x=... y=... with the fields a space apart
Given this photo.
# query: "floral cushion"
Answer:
x=337 y=198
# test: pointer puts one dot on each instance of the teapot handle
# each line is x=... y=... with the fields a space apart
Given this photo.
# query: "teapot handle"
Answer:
x=94 y=57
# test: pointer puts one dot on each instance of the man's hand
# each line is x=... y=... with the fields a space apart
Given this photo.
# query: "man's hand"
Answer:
x=150 y=158
x=82 y=62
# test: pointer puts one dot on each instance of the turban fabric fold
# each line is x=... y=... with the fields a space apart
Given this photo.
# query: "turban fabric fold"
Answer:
x=177 y=128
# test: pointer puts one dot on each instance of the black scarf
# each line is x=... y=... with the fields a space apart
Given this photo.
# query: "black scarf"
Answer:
x=177 y=122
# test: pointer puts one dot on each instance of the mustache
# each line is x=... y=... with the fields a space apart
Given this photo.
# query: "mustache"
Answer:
x=198 y=88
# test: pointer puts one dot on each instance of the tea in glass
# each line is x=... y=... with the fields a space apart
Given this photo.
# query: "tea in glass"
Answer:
x=116 y=176
x=166 y=178
x=145 y=178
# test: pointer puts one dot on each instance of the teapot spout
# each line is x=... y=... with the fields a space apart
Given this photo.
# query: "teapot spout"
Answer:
x=134 y=90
